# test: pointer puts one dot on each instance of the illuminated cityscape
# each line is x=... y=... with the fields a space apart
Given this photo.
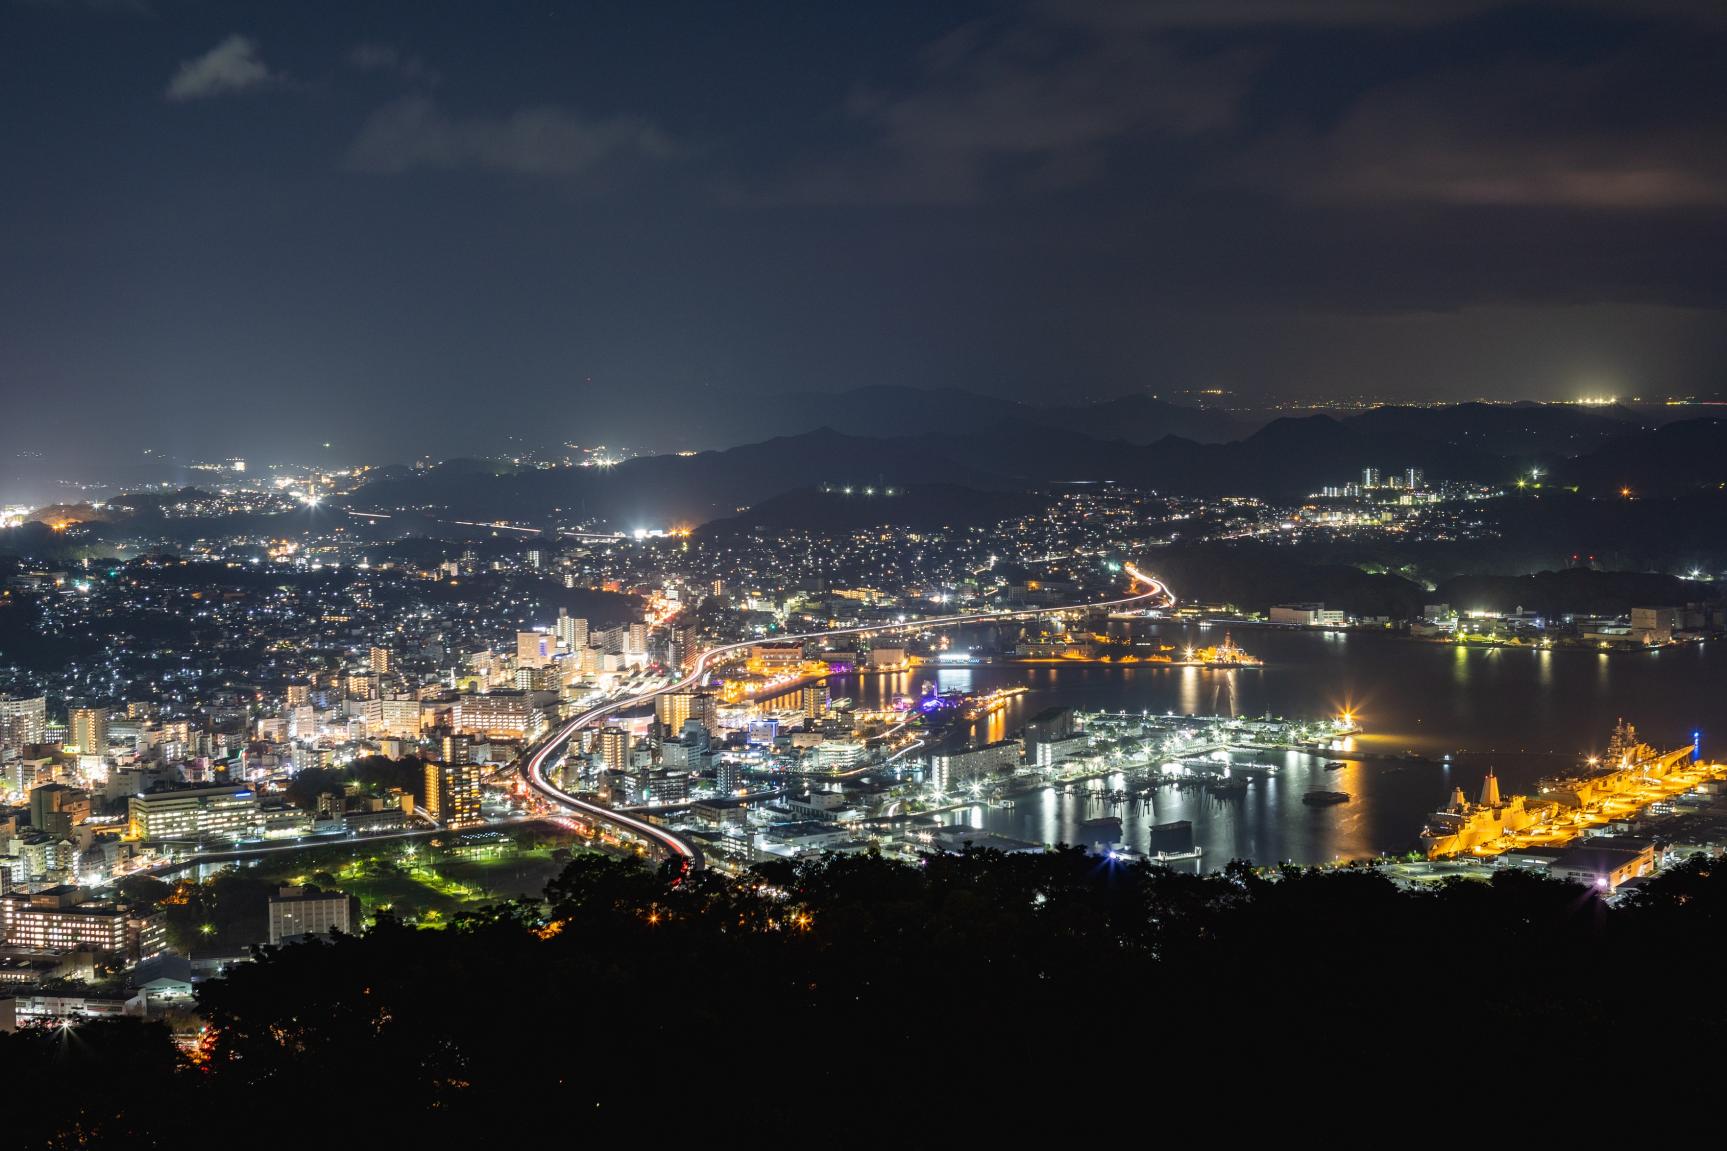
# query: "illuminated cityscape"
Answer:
x=553 y=557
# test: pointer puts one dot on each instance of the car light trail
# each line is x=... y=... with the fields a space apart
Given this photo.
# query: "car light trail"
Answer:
x=534 y=765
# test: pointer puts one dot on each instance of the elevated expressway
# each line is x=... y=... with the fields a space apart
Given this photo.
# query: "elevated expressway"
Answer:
x=537 y=759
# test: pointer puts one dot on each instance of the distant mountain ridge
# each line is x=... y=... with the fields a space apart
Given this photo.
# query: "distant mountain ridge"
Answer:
x=675 y=490
x=1525 y=430
x=1519 y=431
x=777 y=479
x=1667 y=461
x=1285 y=460
x=893 y=411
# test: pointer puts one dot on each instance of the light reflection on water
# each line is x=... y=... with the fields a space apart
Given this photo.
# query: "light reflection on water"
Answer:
x=1525 y=713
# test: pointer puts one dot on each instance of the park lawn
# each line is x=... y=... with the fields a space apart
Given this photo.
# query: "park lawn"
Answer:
x=405 y=895
x=415 y=882
x=437 y=886
x=508 y=876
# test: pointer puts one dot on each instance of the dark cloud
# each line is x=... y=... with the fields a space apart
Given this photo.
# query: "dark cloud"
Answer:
x=1069 y=95
x=118 y=7
x=1338 y=14
x=1444 y=198
x=1639 y=129
x=1026 y=104
x=388 y=60
x=1125 y=14
x=415 y=132
x=233 y=65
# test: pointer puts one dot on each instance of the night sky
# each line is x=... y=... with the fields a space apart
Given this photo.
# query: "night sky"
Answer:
x=419 y=227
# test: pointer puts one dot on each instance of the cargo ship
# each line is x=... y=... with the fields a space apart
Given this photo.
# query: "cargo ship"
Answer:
x=1325 y=798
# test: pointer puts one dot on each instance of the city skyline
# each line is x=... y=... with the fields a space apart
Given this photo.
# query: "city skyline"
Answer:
x=563 y=563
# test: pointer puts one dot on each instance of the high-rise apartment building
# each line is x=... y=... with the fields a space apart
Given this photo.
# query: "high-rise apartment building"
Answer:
x=815 y=700
x=498 y=715
x=534 y=648
x=1050 y=726
x=614 y=748
x=22 y=721
x=393 y=718
x=303 y=722
x=453 y=794
x=951 y=770
x=726 y=774
x=456 y=749
x=570 y=631
x=87 y=728
x=671 y=708
x=681 y=649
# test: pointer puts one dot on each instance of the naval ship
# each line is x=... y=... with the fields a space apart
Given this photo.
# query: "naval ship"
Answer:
x=1462 y=827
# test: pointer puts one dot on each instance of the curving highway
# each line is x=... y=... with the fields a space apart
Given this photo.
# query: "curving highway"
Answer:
x=676 y=846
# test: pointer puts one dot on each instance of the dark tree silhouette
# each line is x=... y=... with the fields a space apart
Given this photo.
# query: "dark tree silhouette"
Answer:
x=636 y=999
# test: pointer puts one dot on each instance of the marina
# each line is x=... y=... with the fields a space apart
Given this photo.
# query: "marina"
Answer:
x=1427 y=721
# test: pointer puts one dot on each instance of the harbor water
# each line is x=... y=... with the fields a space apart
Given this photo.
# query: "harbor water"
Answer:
x=1524 y=713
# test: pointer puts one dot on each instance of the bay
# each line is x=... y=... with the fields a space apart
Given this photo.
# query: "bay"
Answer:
x=1521 y=712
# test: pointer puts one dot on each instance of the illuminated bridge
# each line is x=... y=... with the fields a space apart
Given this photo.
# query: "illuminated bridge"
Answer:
x=536 y=760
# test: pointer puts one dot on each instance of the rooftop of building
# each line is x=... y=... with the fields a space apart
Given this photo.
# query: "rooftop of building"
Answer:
x=301 y=893
x=1598 y=859
x=169 y=788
